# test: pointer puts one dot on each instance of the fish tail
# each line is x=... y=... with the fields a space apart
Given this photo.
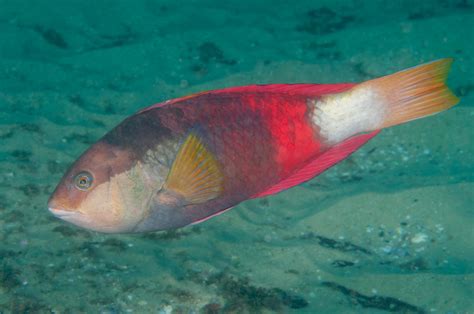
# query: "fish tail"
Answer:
x=414 y=93
x=383 y=102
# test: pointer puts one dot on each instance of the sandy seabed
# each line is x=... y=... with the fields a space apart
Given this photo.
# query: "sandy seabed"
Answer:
x=388 y=230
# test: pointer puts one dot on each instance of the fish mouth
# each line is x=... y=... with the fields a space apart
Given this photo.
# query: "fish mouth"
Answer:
x=63 y=214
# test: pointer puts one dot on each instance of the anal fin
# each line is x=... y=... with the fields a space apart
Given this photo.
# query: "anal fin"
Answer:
x=319 y=164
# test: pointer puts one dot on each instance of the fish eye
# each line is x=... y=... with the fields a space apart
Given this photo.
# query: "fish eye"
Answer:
x=83 y=180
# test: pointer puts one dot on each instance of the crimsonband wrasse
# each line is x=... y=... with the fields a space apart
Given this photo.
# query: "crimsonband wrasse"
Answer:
x=185 y=160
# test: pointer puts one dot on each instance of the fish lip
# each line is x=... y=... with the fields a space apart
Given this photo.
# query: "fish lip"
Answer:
x=61 y=213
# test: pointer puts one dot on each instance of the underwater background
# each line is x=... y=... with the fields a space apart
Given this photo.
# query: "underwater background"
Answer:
x=390 y=229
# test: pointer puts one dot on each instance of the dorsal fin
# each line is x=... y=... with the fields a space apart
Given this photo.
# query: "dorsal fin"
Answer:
x=302 y=89
x=320 y=163
x=309 y=89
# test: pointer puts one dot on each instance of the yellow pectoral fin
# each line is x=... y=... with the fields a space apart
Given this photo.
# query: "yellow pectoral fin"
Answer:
x=195 y=173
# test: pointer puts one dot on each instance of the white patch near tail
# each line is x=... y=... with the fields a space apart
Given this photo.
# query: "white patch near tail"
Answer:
x=339 y=116
x=390 y=100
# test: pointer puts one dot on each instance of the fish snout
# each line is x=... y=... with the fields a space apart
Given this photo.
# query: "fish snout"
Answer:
x=59 y=210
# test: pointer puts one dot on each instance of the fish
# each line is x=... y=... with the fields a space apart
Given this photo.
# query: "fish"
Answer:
x=185 y=160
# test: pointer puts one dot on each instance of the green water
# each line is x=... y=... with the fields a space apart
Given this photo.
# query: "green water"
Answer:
x=389 y=229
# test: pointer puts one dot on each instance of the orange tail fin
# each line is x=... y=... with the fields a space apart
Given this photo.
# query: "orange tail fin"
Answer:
x=415 y=93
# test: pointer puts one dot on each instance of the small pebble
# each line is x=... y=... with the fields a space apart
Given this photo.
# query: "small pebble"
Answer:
x=167 y=309
x=419 y=238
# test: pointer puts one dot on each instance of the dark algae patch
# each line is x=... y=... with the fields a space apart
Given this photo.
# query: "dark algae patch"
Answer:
x=55 y=167
x=378 y=302
x=115 y=244
x=211 y=308
x=173 y=234
x=21 y=155
x=242 y=297
x=464 y=90
x=343 y=246
x=342 y=263
x=209 y=52
x=31 y=128
x=9 y=276
x=324 y=21
x=67 y=231
x=52 y=37
x=25 y=305
x=418 y=264
x=126 y=37
x=30 y=189
x=360 y=69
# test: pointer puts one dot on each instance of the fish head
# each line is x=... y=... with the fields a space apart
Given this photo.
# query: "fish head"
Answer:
x=95 y=192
